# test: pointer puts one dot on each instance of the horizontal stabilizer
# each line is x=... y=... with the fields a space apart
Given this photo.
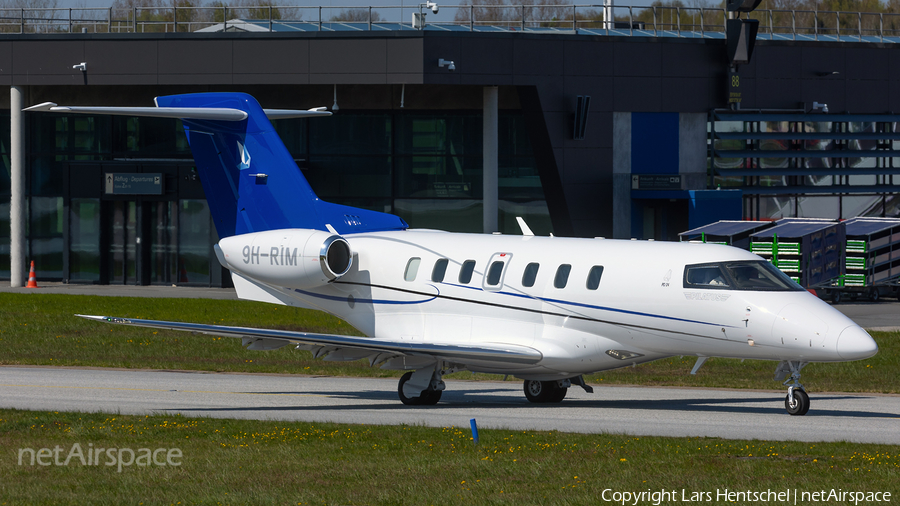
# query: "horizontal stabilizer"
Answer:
x=207 y=113
x=509 y=353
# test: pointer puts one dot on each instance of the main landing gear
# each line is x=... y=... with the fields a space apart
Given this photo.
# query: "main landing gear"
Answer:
x=552 y=391
x=797 y=401
x=424 y=387
x=429 y=397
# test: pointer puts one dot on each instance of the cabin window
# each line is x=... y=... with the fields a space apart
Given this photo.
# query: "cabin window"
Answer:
x=494 y=272
x=440 y=269
x=412 y=268
x=593 y=279
x=465 y=273
x=530 y=274
x=562 y=276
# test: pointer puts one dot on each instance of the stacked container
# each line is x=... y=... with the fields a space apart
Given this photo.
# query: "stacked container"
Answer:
x=809 y=250
x=872 y=258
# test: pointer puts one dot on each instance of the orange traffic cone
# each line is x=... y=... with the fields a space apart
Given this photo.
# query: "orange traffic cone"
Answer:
x=32 y=279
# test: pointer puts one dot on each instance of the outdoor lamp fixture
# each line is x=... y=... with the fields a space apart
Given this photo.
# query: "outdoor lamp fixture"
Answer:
x=819 y=107
x=447 y=63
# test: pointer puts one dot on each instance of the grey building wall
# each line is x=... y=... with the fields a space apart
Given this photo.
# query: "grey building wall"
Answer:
x=621 y=74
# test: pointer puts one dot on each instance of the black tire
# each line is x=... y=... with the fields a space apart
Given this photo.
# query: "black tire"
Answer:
x=558 y=394
x=806 y=403
x=874 y=295
x=426 y=398
x=543 y=391
x=800 y=405
x=836 y=296
x=431 y=397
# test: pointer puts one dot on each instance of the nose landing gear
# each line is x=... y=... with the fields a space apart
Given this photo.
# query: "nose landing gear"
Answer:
x=797 y=401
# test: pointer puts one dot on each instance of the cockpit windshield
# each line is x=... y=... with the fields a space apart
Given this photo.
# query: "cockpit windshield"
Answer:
x=739 y=275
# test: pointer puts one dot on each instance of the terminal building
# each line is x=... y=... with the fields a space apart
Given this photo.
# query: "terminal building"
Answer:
x=618 y=133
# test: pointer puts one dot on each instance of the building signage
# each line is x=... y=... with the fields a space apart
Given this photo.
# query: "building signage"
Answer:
x=655 y=182
x=734 y=89
x=133 y=184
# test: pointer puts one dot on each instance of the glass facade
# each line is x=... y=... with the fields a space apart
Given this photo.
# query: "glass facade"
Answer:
x=423 y=166
x=798 y=165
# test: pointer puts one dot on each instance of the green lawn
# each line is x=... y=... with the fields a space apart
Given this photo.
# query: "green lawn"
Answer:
x=264 y=462
x=41 y=330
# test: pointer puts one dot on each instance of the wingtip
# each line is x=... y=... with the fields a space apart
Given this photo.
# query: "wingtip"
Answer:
x=92 y=317
x=42 y=107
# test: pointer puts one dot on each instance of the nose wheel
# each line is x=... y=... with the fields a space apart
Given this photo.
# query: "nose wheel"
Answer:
x=797 y=401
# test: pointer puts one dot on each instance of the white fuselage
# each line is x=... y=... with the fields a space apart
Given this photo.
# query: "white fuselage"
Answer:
x=640 y=311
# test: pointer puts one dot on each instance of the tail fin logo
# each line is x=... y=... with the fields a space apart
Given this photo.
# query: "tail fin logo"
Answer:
x=245 y=156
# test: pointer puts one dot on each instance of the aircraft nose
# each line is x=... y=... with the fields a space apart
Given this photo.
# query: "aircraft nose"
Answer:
x=854 y=343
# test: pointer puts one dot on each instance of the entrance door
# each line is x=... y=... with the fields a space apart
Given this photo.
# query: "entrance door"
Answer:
x=123 y=241
x=163 y=247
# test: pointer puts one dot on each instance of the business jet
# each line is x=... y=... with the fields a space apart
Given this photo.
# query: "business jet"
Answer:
x=547 y=310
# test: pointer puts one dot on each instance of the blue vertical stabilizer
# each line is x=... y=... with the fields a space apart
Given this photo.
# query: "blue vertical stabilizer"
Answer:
x=250 y=179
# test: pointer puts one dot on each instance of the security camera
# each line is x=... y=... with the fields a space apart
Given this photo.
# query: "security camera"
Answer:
x=447 y=63
x=433 y=6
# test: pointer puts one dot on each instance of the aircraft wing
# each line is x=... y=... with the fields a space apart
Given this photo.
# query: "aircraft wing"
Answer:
x=385 y=348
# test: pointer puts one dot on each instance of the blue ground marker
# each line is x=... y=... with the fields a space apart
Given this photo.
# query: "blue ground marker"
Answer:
x=474 y=430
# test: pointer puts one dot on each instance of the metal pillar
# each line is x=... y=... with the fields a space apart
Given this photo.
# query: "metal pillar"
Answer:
x=490 y=162
x=17 y=198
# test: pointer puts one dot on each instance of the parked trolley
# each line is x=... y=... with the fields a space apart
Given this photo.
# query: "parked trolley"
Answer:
x=731 y=233
x=809 y=250
x=872 y=259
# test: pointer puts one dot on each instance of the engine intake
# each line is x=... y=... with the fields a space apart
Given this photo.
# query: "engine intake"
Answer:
x=335 y=257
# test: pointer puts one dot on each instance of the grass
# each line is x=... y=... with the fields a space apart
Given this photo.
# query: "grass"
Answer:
x=41 y=330
x=267 y=462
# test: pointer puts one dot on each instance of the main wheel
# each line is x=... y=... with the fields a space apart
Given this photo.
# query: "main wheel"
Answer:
x=543 y=391
x=428 y=397
x=558 y=394
x=797 y=404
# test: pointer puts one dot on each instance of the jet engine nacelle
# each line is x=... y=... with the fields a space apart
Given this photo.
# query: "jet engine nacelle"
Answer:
x=295 y=258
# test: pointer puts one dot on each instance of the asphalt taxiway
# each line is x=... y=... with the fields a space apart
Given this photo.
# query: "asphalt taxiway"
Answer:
x=639 y=411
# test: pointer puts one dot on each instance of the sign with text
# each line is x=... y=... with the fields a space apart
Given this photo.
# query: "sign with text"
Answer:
x=655 y=182
x=734 y=88
x=133 y=184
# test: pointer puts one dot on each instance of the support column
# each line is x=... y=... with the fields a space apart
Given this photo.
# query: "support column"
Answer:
x=17 y=180
x=490 y=162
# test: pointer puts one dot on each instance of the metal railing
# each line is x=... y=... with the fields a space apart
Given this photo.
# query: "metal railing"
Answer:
x=591 y=19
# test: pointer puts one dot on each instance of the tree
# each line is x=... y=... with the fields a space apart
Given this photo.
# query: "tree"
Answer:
x=533 y=13
x=355 y=16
